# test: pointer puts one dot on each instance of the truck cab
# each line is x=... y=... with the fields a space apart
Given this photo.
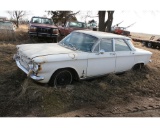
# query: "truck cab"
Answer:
x=43 y=27
x=66 y=29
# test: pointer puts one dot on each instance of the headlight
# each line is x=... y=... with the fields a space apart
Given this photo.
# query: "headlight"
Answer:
x=32 y=28
x=55 y=30
x=30 y=64
x=33 y=66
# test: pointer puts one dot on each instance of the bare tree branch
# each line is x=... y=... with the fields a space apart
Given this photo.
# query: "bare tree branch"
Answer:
x=17 y=15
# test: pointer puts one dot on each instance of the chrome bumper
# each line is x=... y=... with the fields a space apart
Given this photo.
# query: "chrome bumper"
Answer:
x=34 y=77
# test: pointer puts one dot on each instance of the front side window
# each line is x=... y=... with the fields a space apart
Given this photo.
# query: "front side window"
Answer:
x=120 y=45
x=79 y=41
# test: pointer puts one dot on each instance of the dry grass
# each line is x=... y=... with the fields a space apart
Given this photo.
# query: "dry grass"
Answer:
x=14 y=36
x=144 y=36
x=23 y=28
x=7 y=35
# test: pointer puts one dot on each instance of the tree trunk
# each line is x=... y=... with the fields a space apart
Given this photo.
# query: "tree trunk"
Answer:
x=17 y=23
x=109 y=21
x=101 y=20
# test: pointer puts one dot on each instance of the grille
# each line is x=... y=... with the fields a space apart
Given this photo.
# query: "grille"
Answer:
x=44 y=30
x=24 y=62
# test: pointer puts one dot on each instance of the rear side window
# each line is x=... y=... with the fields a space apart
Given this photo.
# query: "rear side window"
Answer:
x=120 y=45
x=106 y=45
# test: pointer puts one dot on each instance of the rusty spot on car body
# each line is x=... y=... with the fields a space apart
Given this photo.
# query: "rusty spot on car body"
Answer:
x=39 y=67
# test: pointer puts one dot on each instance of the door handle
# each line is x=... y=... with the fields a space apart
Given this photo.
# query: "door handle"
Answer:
x=112 y=53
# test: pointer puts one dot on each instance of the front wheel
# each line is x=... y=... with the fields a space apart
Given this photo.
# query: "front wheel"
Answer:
x=61 y=78
x=143 y=43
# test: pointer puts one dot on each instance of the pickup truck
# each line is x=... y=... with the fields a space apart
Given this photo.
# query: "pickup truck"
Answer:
x=66 y=29
x=43 y=27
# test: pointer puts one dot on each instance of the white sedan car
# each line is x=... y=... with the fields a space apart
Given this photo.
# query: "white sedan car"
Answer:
x=80 y=55
x=7 y=26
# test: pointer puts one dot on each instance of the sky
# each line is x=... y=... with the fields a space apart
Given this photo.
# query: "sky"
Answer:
x=145 y=21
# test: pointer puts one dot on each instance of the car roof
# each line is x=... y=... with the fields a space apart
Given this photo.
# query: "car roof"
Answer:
x=99 y=34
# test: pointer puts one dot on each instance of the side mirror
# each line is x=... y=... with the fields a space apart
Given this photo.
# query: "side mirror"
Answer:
x=102 y=51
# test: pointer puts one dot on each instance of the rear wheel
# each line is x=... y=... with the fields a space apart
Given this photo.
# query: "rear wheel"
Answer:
x=61 y=78
x=138 y=66
x=154 y=46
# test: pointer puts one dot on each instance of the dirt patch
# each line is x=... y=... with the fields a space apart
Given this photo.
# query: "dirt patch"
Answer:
x=111 y=95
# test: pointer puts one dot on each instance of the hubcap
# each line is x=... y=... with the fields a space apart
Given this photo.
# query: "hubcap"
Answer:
x=63 y=78
x=149 y=44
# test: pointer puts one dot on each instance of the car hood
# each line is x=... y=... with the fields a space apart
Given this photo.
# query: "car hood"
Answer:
x=35 y=50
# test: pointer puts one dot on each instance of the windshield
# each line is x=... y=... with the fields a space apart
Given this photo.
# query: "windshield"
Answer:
x=92 y=24
x=79 y=41
x=40 y=20
x=77 y=24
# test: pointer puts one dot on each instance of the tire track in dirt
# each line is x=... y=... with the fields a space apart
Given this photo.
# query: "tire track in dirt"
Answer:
x=144 y=107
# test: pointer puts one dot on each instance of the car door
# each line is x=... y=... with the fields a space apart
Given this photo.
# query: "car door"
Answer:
x=102 y=60
x=124 y=55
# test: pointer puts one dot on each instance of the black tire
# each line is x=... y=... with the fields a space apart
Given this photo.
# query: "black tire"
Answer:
x=61 y=78
x=143 y=43
x=154 y=46
x=149 y=45
x=120 y=73
x=55 y=39
x=60 y=33
x=31 y=38
x=138 y=66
